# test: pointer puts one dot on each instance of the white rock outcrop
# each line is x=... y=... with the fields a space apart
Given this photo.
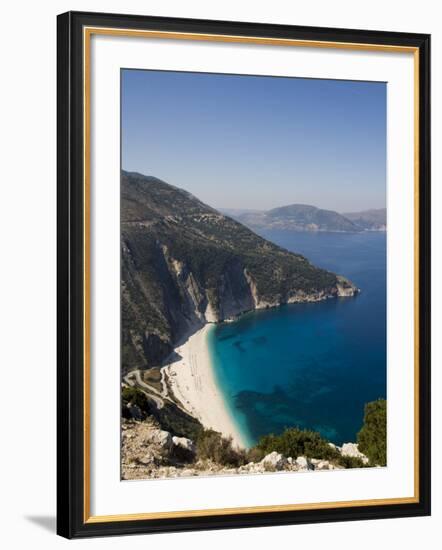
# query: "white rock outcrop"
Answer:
x=274 y=460
x=161 y=439
x=352 y=449
x=304 y=464
x=184 y=443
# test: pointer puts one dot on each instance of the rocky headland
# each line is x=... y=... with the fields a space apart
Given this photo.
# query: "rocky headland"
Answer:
x=185 y=264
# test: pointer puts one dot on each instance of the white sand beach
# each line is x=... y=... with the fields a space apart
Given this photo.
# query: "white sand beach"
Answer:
x=193 y=382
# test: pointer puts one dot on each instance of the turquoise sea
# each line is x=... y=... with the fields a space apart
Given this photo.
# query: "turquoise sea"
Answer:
x=310 y=365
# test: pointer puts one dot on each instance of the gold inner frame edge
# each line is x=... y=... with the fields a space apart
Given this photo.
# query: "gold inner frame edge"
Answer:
x=87 y=33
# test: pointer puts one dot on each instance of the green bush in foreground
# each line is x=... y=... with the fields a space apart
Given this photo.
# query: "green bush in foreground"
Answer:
x=211 y=445
x=295 y=442
x=255 y=454
x=351 y=462
x=176 y=421
x=372 y=438
x=136 y=397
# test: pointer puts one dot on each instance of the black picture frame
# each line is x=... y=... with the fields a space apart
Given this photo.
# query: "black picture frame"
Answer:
x=71 y=395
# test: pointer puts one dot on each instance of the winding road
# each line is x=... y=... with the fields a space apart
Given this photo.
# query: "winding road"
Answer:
x=133 y=378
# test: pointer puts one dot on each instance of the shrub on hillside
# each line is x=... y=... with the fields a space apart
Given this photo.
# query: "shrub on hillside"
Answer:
x=135 y=397
x=351 y=462
x=210 y=445
x=295 y=442
x=174 y=420
x=372 y=438
x=255 y=454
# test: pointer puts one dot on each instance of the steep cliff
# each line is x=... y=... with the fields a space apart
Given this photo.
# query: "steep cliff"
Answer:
x=184 y=264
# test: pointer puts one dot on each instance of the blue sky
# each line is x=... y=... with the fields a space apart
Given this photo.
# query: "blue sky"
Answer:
x=258 y=142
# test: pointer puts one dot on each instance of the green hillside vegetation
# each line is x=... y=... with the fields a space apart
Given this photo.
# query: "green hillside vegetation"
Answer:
x=211 y=445
x=296 y=442
x=170 y=417
x=372 y=438
x=181 y=258
x=293 y=442
x=300 y=442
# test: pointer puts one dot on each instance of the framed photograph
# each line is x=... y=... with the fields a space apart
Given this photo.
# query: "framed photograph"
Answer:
x=243 y=274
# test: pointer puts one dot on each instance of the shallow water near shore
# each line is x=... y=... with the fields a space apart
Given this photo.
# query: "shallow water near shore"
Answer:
x=310 y=365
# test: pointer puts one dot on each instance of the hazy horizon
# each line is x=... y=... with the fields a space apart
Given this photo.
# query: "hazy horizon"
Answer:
x=258 y=142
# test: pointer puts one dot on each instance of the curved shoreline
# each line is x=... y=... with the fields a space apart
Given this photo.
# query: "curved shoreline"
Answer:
x=193 y=382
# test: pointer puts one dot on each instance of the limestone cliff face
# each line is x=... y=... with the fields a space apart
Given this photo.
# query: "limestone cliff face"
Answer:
x=185 y=264
x=233 y=294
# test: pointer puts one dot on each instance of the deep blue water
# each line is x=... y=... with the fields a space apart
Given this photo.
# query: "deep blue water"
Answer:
x=310 y=365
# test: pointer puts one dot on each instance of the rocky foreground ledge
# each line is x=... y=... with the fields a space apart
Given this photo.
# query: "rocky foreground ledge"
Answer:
x=149 y=452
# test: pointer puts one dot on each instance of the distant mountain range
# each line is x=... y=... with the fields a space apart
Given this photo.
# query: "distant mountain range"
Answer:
x=371 y=220
x=304 y=217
